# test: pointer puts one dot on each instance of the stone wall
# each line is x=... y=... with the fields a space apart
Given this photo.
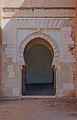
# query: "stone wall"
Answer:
x=0 y=47
x=51 y=20
x=40 y=3
x=76 y=52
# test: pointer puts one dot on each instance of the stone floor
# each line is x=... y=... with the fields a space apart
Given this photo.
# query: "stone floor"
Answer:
x=38 y=109
x=40 y=89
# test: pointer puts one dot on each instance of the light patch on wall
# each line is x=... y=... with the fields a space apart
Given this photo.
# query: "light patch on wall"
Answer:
x=8 y=14
x=4 y=22
x=11 y=74
x=16 y=91
x=12 y=3
x=68 y=86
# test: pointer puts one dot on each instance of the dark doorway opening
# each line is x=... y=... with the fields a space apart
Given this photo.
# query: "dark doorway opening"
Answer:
x=38 y=73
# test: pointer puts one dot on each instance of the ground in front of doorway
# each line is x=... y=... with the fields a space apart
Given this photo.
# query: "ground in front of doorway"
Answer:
x=38 y=109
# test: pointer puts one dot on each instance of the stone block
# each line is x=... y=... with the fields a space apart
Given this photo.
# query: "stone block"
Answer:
x=59 y=93
x=11 y=74
x=16 y=92
x=68 y=86
x=8 y=91
x=69 y=93
x=10 y=68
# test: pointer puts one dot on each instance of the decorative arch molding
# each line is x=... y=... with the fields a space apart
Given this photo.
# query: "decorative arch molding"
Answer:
x=38 y=35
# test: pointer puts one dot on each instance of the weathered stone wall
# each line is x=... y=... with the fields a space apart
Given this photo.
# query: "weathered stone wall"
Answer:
x=76 y=52
x=0 y=47
x=40 y=3
x=24 y=20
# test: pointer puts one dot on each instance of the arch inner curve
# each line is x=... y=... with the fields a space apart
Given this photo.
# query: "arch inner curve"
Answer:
x=38 y=74
x=44 y=39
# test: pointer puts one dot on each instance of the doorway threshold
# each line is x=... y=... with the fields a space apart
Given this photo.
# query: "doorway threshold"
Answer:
x=38 y=97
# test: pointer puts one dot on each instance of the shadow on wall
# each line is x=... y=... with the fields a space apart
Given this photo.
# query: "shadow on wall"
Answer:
x=0 y=61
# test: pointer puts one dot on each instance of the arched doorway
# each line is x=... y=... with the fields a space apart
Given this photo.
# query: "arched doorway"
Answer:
x=38 y=74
